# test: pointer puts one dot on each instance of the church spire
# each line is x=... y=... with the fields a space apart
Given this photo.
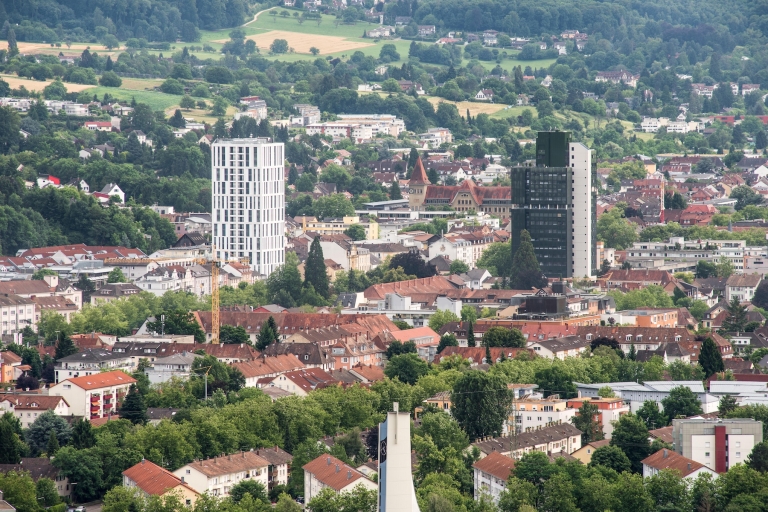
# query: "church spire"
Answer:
x=419 y=175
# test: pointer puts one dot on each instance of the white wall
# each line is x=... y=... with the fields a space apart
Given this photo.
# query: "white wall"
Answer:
x=580 y=161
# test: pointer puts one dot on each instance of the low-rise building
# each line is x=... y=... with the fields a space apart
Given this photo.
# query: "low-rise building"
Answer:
x=39 y=467
x=742 y=287
x=218 y=475
x=555 y=439
x=491 y=475
x=584 y=454
x=152 y=480
x=668 y=460
x=329 y=472
x=609 y=410
x=560 y=348
x=531 y=414
x=90 y=361
x=28 y=407
x=279 y=465
x=164 y=369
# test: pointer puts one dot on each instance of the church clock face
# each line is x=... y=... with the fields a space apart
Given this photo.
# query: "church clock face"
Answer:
x=410 y=191
x=383 y=451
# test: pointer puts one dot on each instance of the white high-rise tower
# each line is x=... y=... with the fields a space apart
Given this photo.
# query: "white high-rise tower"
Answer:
x=249 y=202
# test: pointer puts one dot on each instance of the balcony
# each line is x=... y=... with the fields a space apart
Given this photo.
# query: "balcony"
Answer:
x=95 y=398
x=107 y=396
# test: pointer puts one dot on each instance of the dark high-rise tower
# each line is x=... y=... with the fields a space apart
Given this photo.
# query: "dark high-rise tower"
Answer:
x=555 y=202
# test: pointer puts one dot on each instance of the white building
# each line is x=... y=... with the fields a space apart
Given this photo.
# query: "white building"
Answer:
x=165 y=368
x=218 y=475
x=669 y=460
x=17 y=313
x=327 y=471
x=26 y=408
x=491 y=475
x=94 y=396
x=249 y=202
x=535 y=413
x=89 y=362
x=396 y=491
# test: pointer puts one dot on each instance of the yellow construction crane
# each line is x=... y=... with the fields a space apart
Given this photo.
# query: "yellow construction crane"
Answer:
x=215 y=301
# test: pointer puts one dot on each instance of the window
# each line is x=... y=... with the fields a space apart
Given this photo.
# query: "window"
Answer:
x=706 y=454
x=738 y=454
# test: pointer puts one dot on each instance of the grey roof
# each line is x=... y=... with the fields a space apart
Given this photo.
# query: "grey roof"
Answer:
x=347 y=300
x=742 y=280
x=275 y=455
x=476 y=273
x=564 y=343
x=38 y=468
x=158 y=413
x=91 y=355
x=528 y=439
x=180 y=358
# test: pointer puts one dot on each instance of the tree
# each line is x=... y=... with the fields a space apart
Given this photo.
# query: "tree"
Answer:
x=177 y=120
x=11 y=446
x=724 y=267
x=83 y=467
x=407 y=368
x=736 y=320
x=46 y=493
x=503 y=337
x=110 y=79
x=681 y=402
x=631 y=435
x=53 y=444
x=356 y=232
x=229 y=334
x=412 y=264
x=745 y=196
x=178 y=322
x=10 y=123
x=359 y=499
x=315 y=272
x=616 y=231
x=39 y=275
x=458 y=267
x=133 y=408
x=727 y=404
x=394 y=191
x=555 y=380
x=82 y=435
x=440 y=318
x=389 y=53
x=38 y=434
x=13 y=48
x=267 y=335
x=526 y=273
x=252 y=487
x=758 y=459
x=279 y=46
x=710 y=359
x=611 y=457
x=447 y=340
x=187 y=102
x=19 y=490
x=116 y=276
x=586 y=421
x=651 y=415
x=481 y=403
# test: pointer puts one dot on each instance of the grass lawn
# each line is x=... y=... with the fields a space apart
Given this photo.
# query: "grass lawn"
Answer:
x=327 y=26
x=203 y=116
x=514 y=111
x=511 y=62
x=156 y=100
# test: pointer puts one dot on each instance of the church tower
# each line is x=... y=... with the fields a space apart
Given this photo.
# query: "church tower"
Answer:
x=417 y=187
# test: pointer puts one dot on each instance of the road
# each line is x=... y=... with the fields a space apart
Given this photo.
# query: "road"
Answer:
x=93 y=506
x=256 y=16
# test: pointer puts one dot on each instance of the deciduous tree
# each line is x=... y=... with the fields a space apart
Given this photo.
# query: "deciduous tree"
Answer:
x=481 y=403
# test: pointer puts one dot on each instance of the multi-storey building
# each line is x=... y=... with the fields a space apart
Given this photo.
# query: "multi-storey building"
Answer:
x=555 y=202
x=94 y=396
x=609 y=410
x=534 y=413
x=718 y=444
x=249 y=202
x=218 y=475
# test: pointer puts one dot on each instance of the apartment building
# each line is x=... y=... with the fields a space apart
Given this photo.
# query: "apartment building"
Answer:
x=218 y=475
x=152 y=480
x=609 y=410
x=327 y=471
x=249 y=202
x=94 y=396
x=491 y=475
x=718 y=444
x=562 y=222
x=533 y=413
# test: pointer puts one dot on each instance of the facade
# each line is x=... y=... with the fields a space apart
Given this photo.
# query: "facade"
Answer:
x=533 y=413
x=89 y=362
x=249 y=202
x=153 y=480
x=491 y=475
x=669 y=460
x=584 y=454
x=562 y=222
x=718 y=444
x=94 y=396
x=327 y=471
x=17 y=313
x=279 y=465
x=216 y=476
x=28 y=407
x=165 y=368
x=609 y=410
x=396 y=491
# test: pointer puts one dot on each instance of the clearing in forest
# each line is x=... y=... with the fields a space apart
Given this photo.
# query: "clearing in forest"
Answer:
x=301 y=43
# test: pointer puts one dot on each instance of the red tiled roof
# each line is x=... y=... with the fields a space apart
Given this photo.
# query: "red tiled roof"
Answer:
x=41 y=402
x=497 y=465
x=419 y=175
x=102 y=380
x=416 y=332
x=265 y=366
x=425 y=285
x=152 y=479
x=10 y=358
x=332 y=472
x=227 y=464
x=668 y=459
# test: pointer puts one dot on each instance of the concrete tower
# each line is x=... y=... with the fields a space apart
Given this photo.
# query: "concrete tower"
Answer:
x=396 y=491
x=417 y=186
x=249 y=202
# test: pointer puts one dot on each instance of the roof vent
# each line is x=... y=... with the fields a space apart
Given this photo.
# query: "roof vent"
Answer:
x=338 y=468
x=665 y=453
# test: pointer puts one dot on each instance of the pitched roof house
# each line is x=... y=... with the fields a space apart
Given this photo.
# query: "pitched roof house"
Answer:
x=218 y=475
x=327 y=471
x=153 y=480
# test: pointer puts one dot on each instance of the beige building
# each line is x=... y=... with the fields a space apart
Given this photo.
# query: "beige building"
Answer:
x=328 y=471
x=216 y=476
x=584 y=454
x=337 y=226
x=152 y=480
x=533 y=413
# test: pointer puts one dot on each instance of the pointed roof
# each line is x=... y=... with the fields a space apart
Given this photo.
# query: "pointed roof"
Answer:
x=419 y=175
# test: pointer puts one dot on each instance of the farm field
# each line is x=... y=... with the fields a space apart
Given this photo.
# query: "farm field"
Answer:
x=37 y=85
x=302 y=42
x=156 y=100
x=201 y=115
x=473 y=107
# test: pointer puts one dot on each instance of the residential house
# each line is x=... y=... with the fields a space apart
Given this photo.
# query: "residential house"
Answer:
x=329 y=472
x=218 y=475
x=94 y=396
x=425 y=339
x=110 y=292
x=484 y=95
x=279 y=469
x=554 y=439
x=609 y=411
x=26 y=408
x=531 y=413
x=584 y=454
x=39 y=467
x=152 y=480
x=427 y=30
x=164 y=369
x=301 y=382
x=89 y=362
x=491 y=475
x=17 y=312
x=265 y=367
x=668 y=460
x=560 y=348
x=742 y=287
